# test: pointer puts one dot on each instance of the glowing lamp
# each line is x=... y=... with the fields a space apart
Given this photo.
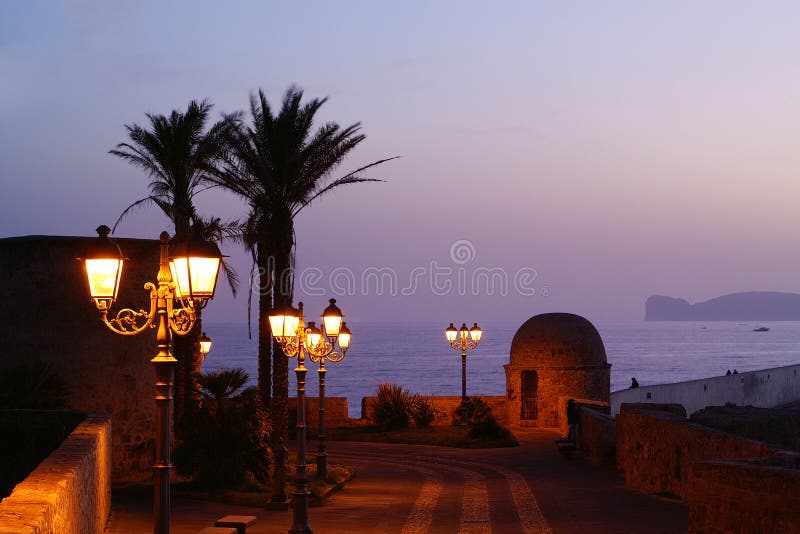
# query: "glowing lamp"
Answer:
x=205 y=344
x=103 y=265
x=475 y=333
x=463 y=332
x=313 y=335
x=344 y=337
x=194 y=265
x=451 y=333
x=283 y=323
x=332 y=319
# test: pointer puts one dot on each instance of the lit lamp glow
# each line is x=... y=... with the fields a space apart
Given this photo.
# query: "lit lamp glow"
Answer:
x=104 y=269
x=194 y=266
x=205 y=345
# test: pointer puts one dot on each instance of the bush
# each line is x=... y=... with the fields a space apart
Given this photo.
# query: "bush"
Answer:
x=482 y=423
x=225 y=443
x=33 y=385
x=392 y=409
x=421 y=411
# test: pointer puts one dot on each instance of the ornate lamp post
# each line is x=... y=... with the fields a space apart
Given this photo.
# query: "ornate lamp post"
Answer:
x=186 y=280
x=459 y=339
x=297 y=339
x=334 y=327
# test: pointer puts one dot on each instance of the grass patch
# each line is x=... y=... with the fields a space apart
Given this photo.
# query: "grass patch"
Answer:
x=443 y=436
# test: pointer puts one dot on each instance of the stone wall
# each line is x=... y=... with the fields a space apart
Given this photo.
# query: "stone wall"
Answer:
x=70 y=491
x=597 y=434
x=767 y=388
x=657 y=448
x=47 y=315
x=336 y=412
x=760 y=495
x=445 y=406
x=592 y=383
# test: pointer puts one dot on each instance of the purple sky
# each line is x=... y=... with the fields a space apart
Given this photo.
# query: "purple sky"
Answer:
x=616 y=149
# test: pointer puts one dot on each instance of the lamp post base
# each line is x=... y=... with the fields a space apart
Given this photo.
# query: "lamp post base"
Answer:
x=300 y=504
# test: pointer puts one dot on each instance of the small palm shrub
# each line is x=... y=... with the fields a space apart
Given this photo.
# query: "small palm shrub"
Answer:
x=34 y=385
x=395 y=408
x=421 y=411
x=225 y=443
x=392 y=408
x=482 y=424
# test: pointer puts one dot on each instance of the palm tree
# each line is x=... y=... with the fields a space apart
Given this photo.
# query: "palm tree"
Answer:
x=177 y=151
x=278 y=165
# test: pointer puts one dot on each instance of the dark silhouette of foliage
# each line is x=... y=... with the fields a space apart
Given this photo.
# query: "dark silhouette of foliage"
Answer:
x=278 y=164
x=34 y=384
x=421 y=411
x=392 y=408
x=482 y=424
x=225 y=443
x=177 y=151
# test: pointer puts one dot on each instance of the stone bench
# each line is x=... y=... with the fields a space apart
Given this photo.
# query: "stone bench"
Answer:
x=218 y=530
x=239 y=522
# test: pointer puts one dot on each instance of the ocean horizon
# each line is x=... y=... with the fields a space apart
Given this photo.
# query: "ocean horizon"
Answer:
x=417 y=357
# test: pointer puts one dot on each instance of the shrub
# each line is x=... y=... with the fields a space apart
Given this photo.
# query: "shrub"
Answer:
x=392 y=409
x=225 y=443
x=33 y=385
x=482 y=423
x=421 y=411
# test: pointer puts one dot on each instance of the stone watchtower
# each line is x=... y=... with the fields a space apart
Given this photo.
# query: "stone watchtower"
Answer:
x=554 y=355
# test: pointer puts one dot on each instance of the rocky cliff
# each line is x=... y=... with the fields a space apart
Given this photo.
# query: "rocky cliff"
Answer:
x=749 y=306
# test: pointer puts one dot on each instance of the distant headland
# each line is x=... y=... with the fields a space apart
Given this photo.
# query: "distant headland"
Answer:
x=748 y=306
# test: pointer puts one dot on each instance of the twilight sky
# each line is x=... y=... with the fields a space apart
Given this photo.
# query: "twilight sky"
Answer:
x=588 y=154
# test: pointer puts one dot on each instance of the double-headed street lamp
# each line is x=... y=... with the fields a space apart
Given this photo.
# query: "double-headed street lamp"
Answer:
x=463 y=339
x=297 y=339
x=186 y=280
x=332 y=321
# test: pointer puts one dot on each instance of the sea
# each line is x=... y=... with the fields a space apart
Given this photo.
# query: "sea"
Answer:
x=417 y=357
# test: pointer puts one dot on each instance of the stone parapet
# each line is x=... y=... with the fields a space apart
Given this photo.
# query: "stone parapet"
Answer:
x=70 y=491
x=657 y=448
x=761 y=495
x=336 y=412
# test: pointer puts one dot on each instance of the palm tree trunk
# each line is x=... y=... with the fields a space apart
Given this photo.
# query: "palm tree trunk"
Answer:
x=280 y=364
x=264 y=335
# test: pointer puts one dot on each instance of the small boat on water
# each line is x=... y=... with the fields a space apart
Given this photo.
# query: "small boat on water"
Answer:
x=761 y=329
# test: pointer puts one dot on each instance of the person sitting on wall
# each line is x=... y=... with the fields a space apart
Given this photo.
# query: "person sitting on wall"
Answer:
x=634 y=382
x=728 y=373
x=573 y=419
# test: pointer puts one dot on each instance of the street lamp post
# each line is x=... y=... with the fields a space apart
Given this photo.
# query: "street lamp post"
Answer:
x=463 y=339
x=297 y=339
x=186 y=280
x=332 y=321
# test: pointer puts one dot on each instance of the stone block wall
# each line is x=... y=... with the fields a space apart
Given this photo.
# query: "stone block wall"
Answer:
x=657 y=448
x=597 y=435
x=592 y=383
x=48 y=315
x=70 y=491
x=336 y=412
x=445 y=406
x=760 y=495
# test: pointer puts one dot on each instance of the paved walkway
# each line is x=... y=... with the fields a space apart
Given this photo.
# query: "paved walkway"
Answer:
x=408 y=489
